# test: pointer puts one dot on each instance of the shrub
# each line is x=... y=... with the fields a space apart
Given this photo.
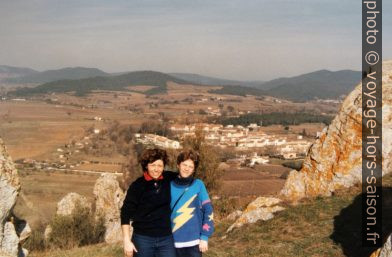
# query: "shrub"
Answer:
x=36 y=240
x=295 y=164
x=224 y=206
x=78 y=229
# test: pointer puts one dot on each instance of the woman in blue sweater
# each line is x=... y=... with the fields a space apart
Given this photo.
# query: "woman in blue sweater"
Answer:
x=192 y=214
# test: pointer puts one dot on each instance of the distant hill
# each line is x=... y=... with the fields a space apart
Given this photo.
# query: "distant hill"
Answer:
x=211 y=81
x=61 y=74
x=112 y=83
x=322 y=84
x=11 y=72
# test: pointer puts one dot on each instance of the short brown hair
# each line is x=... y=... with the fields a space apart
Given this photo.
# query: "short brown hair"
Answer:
x=189 y=155
x=152 y=155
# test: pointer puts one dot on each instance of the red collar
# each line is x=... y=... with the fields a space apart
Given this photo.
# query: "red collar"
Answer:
x=149 y=178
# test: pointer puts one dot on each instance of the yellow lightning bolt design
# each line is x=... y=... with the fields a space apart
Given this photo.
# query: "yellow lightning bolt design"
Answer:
x=186 y=214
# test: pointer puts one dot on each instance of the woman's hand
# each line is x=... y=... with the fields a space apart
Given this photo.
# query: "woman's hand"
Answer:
x=129 y=248
x=203 y=246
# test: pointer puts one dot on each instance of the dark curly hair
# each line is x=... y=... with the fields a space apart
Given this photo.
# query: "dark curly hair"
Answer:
x=189 y=155
x=152 y=155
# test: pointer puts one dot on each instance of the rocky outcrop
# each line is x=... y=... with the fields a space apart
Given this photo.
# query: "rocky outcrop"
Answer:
x=386 y=250
x=9 y=189
x=108 y=201
x=262 y=208
x=334 y=161
x=69 y=202
x=234 y=215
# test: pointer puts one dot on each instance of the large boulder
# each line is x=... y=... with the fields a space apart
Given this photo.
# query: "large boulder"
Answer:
x=335 y=160
x=9 y=190
x=66 y=206
x=262 y=208
x=108 y=201
x=69 y=202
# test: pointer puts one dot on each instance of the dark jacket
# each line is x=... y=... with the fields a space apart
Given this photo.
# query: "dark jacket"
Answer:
x=147 y=205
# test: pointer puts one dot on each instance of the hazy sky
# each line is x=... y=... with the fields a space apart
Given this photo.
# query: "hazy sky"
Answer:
x=236 y=39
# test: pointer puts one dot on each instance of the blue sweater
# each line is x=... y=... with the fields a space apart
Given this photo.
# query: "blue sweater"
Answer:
x=192 y=216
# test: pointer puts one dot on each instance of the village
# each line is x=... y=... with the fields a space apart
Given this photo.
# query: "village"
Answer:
x=244 y=140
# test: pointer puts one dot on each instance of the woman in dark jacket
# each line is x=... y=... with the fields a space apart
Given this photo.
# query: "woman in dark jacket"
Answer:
x=147 y=205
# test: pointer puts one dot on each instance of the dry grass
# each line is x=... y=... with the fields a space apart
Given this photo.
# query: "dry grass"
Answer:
x=42 y=190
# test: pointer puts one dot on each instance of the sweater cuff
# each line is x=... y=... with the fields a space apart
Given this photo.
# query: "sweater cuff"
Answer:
x=203 y=237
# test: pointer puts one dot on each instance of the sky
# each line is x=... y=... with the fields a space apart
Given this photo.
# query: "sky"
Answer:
x=233 y=39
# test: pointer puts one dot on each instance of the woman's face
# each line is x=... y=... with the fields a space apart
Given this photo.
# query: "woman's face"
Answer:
x=155 y=169
x=186 y=168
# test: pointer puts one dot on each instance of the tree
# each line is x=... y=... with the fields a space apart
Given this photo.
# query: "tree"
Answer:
x=230 y=109
x=209 y=161
x=132 y=170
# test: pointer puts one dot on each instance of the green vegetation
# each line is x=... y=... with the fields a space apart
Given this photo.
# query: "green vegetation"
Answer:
x=281 y=118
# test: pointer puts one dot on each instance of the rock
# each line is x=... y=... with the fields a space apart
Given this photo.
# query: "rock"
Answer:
x=335 y=159
x=260 y=209
x=234 y=215
x=9 y=187
x=9 y=190
x=69 y=203
x=5 y=254
x=47 y=232
x=108 y=201
x=10 y=242
x=385 y=251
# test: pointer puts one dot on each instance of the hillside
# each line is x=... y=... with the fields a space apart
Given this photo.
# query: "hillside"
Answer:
x=112 y=83
x=321 y=84
x=61 y=74
x=11 y=72
x=212 y=81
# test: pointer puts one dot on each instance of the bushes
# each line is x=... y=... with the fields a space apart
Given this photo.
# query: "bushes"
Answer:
x=295 y=164
x=36 y=240
x=78 y=229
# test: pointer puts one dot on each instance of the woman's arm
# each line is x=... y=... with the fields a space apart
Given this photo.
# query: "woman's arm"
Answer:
x=128 y=211
x=129 y=247
x=207 y=218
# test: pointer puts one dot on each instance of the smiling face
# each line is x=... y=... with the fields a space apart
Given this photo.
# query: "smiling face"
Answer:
x=155 y=169
x=186 y=168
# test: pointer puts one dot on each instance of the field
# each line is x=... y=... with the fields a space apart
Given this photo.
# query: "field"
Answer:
x=42 y=190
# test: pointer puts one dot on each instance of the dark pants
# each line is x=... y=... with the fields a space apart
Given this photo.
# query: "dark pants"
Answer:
x=147 y=246
x=192 y=251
